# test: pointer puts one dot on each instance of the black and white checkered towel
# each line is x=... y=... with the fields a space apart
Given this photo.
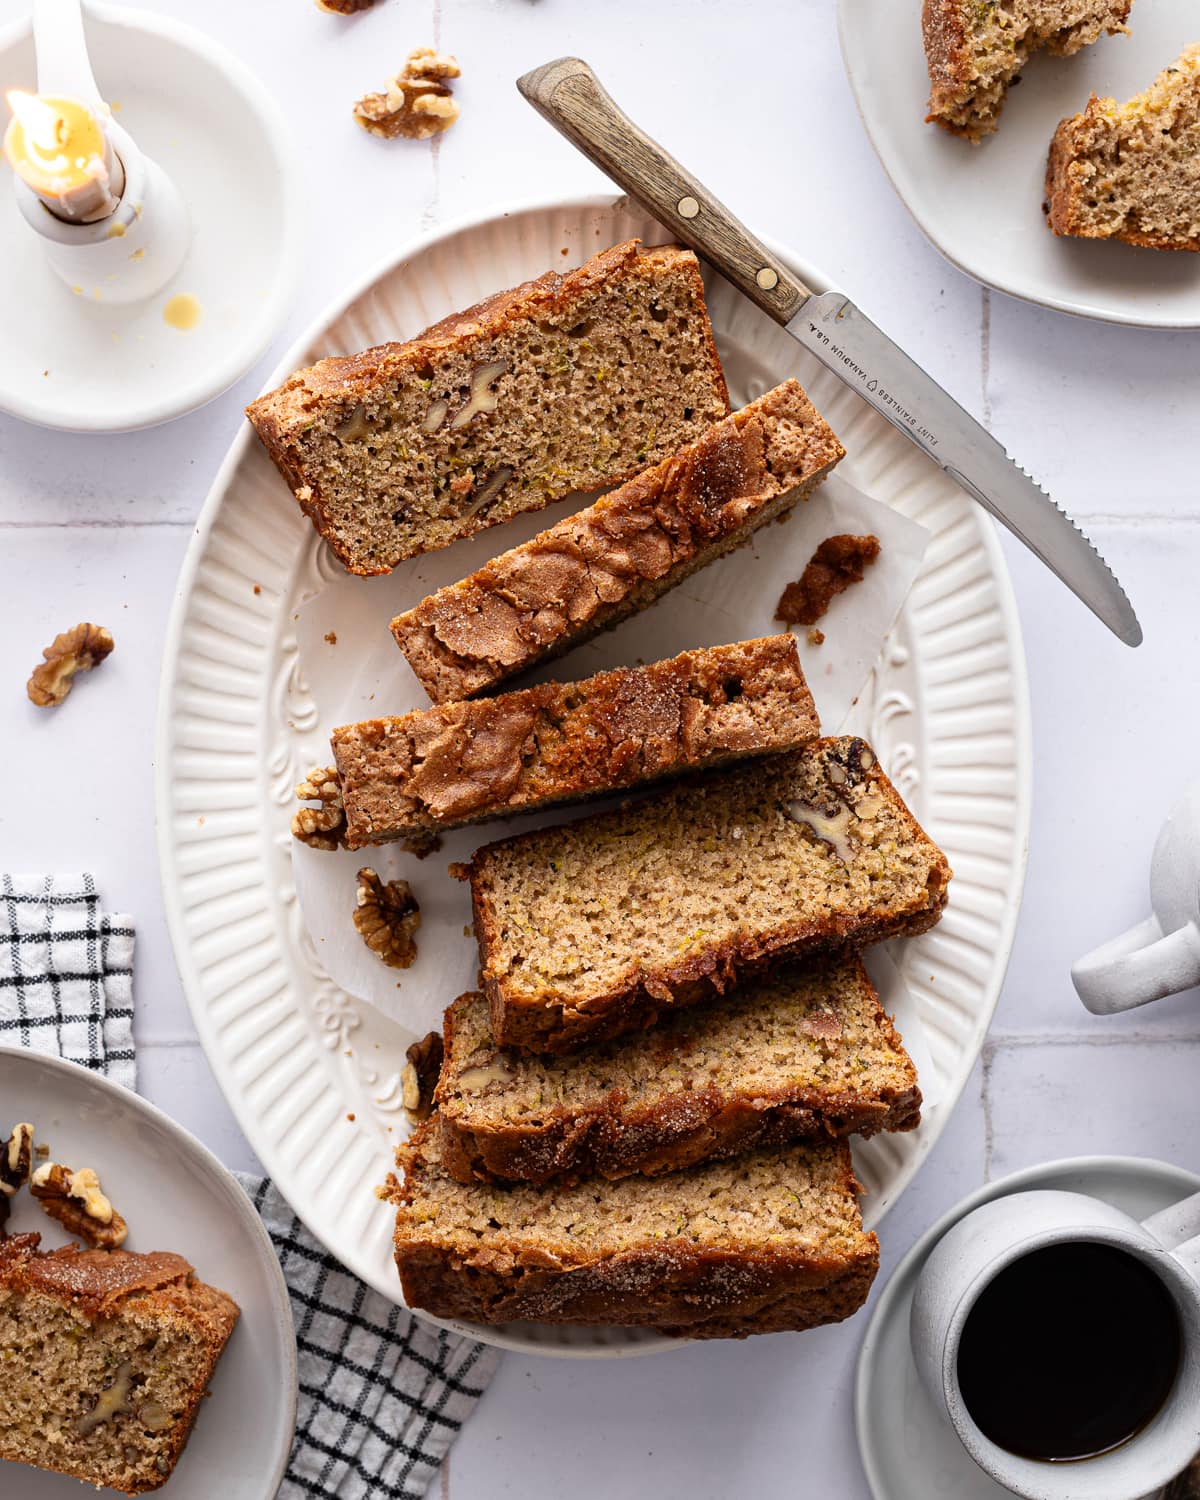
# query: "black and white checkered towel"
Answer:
x=66 y=973
x=382 y=1394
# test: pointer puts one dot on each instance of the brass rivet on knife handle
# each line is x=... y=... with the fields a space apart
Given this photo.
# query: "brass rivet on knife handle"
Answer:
x=570 y=96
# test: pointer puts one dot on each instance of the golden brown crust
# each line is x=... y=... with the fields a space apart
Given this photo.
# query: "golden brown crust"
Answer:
x=1067 y=173
x=278 y=416
x=105 y=1285
x=676 y=1286
x=464 y=762
x=597 y=567
x=553 y=1022
x=944 y=32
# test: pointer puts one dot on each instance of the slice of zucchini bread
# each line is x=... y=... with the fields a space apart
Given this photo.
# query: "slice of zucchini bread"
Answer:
x=564 y=383
x=595 y=568
x=806 y=1054
x=107 y=1356
x=410 y=777
x=1132 y=171
x=593 y=928
x=975 y=48
x=767 y=1242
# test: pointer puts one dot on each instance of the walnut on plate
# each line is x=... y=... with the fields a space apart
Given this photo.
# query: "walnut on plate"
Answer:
x=322 y=827
x=344 y=7
x=76 y=1201
x=79 y=649
x=420 y=1076
x=416 y=102
x=387 y=916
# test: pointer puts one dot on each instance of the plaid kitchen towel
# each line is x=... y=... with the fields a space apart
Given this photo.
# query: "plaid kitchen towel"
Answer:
x=66 y=973
x=382 y=1394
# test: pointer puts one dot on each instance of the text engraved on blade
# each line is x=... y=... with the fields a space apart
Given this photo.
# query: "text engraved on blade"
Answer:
x=881 y=393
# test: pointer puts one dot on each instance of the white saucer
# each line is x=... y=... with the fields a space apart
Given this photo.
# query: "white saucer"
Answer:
x=78 y=363
x=908 y=1449
x=177 y=1196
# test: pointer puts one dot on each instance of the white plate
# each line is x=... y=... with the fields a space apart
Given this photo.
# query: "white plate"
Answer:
x=981 y=206
x=908 y=1448
x=81 y=364
x=312 y=1073
x=175 y=1195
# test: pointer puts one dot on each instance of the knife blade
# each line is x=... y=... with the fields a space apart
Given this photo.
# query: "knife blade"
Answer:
x=832 y=329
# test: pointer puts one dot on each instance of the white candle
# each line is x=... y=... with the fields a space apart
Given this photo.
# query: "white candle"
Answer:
x=60 y=149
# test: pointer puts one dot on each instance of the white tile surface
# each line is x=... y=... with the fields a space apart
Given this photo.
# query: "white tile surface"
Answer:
x=753 y=97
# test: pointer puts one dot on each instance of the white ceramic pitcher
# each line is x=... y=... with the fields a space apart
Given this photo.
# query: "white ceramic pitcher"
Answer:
x=1161 y=955
x=992 y=1237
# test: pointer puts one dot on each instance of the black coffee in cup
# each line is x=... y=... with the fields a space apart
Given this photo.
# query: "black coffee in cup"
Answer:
x=1069 y=1352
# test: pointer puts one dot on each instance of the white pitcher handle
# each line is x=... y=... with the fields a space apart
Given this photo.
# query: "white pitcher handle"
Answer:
x=1139 y=966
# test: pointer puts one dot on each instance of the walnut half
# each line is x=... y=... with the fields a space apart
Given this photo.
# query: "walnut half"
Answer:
x=321 y=827
x=76 y=1201
x=420 y=1076
x=387 y=916
x=79 y=649
x=416 y=103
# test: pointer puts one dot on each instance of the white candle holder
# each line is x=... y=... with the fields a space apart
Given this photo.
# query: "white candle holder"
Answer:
x=134 y=319
x=134 y=251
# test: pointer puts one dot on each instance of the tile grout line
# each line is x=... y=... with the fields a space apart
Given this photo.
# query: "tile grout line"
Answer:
x=1080 y=1039
x=985 y=1096
x=985 y=355
x=107 y=525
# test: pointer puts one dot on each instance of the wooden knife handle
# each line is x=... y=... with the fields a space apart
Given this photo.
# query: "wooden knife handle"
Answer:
x=570 y=96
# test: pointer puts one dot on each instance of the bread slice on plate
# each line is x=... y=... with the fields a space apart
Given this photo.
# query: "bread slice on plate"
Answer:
x=106 y=1356
x=606 y=562
x=593 y=928
x=766 y=1242
x=975 y=48
x=570 y=382
x=805 y=1054
x=1132 y=171
x=438 y=768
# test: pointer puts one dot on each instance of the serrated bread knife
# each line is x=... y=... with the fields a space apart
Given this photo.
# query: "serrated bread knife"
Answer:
x=833 y=330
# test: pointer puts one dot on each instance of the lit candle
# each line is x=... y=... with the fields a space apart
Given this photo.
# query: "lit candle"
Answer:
x=60 y=149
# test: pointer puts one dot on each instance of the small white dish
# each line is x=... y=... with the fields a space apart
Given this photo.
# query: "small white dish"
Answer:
x=175 y=1195
x=80 y=362
x=981 y=206
x=908 y=1448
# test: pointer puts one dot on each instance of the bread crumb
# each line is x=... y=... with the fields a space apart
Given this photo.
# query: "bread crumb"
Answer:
x=816 y=637
x=837 y=563
x=331 y=637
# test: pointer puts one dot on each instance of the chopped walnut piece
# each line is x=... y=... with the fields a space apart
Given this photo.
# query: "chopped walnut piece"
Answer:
x=321 y=827
x=16 y=1159
x=387 y=916
x=344 y=7
x=79 y=649
x=837 y=563
x=416 y=103
x=815 y=637
x=76 y=1201
x=420 y=1076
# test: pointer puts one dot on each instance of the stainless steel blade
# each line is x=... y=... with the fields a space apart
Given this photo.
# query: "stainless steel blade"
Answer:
x=846 y=342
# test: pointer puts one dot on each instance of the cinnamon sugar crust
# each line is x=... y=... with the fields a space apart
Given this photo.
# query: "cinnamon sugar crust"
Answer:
x=595 y=568
x=459 y=763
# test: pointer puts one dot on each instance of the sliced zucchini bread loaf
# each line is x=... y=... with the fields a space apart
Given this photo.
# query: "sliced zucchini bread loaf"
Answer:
x=806 y=1054
x=597 y=567
x=409 y=777
x=107 y=1356
x=975 y=48
x=592 y=928
x=768 y=1241
x=1132 y=171
x=570 y=382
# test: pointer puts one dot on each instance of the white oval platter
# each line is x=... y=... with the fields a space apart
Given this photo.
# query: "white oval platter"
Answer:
x=312 y=1073
x=981 y=206
x=175 y=1195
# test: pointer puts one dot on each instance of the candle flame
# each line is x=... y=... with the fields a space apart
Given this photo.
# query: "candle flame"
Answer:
x=45 y=128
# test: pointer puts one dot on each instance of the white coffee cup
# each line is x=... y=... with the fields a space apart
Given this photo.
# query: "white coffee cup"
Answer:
x=981 y=1245
x=1161 y=955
